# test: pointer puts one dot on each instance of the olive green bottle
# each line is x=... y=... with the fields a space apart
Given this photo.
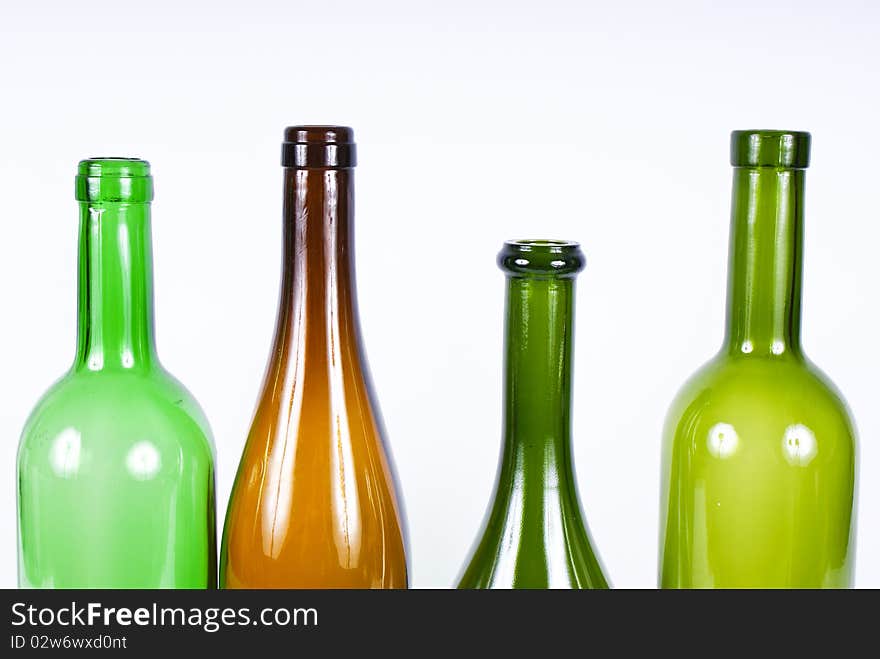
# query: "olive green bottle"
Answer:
x=115 y=464
x=534 y=535
x=759 y=452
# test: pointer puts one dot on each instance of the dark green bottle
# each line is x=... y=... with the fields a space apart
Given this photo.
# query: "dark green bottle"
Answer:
x=534 y=535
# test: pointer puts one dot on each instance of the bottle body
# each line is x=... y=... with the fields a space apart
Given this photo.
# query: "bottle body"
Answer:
x=315 y=502
x=759 y=450
x=534 y=535
x=759 y=457
x=115 y=464
x=116 y=486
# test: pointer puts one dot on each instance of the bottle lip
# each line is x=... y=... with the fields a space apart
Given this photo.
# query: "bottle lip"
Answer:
x=541 y=258
x=770 y=148
x=114 y=180
x=318 y=146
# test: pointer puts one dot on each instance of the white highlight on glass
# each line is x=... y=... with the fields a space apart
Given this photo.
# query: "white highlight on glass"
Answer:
x=96 y=350
x=344 y=497
x=64 y=456
x=124 y=244
x=143 y=461
x=799 y=445
x=723 y=440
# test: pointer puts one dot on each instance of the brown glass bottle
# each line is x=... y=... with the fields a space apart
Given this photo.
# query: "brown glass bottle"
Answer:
x=315 y=504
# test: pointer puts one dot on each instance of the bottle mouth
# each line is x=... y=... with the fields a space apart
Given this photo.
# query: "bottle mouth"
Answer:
x=322 y=147
x=541 y=258
x=114 y=180
x=770 y=148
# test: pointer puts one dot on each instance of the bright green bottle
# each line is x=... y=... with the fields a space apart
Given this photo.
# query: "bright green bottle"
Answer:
x=534 y=535
x=759 y=454
x=115 y=465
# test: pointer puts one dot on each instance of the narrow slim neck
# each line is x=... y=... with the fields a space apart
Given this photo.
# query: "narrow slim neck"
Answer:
x=764 y=286
x=318 y=303
x=537 y=397
x=115 y=311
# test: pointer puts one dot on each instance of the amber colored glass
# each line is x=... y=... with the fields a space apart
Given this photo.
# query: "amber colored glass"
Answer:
x=315 y=502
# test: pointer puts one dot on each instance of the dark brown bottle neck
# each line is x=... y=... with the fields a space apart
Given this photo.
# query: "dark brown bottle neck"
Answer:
x=318 y=296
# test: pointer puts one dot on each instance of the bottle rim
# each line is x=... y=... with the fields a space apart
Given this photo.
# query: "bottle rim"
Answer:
x=788 y=149
x=318 y=146
x=541 y=257
x=113 y=179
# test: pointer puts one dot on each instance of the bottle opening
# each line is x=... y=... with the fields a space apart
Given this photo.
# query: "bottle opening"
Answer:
x=542 y=244
x=326 y=147
x=770 y=148
x=541 y=258
x=113 y=179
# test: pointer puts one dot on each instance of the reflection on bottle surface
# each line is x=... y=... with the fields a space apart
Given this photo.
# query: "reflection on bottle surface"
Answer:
x=115 y=465
x=759 y=449
x=314 y=503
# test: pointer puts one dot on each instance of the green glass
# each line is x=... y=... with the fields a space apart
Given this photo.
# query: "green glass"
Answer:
x=115 y=465
x=759 y=453
x=534 y=535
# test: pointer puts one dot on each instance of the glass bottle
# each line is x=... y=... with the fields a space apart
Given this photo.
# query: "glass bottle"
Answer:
x=534 y=535
x=315 y=503
x=759 y=453
x=115 y=465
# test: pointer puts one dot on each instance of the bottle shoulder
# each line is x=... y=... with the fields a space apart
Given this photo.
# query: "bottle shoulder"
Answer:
x=118 y=409
x=760 y=391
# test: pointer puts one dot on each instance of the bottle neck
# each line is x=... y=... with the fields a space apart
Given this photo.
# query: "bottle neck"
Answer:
x=537 y=400
x=318 y=311
x=115 y=325
x=764 y=287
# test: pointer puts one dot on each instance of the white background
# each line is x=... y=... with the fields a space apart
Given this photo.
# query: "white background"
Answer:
x=606 y=123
